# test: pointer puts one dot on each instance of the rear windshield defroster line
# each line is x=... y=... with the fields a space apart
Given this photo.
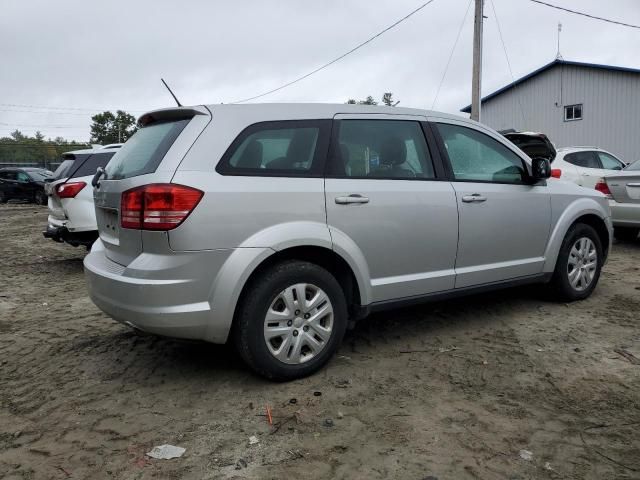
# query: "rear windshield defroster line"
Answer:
x=144 y=151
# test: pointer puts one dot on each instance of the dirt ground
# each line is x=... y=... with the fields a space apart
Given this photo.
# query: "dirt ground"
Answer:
x=452 y=390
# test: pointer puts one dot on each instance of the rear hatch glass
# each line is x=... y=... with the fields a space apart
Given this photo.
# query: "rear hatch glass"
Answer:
x=144 y=151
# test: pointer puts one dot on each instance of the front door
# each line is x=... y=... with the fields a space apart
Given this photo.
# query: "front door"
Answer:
x=504 y=222
x=384 y=198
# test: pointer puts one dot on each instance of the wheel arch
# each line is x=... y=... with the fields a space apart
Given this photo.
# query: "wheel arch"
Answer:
x=582 y=211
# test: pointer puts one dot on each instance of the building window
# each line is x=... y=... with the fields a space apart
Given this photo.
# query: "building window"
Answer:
x=572 y=112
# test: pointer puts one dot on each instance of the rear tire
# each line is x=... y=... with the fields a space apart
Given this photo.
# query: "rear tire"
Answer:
x=40 y=198
x=281 y=337
x=626 y=234
x=578 y=265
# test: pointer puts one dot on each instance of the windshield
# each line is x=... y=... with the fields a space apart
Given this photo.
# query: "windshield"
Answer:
x=635 y=166
x=39 y=175
x=144 y=151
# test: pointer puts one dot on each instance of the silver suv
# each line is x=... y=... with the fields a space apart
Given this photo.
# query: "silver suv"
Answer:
x=275 y=225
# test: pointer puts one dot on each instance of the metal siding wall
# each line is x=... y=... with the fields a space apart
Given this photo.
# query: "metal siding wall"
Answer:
x=611 y=108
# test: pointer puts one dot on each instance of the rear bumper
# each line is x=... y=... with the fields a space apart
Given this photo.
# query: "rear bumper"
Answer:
x=60 y=233
x=165 y=294
x=625 y=214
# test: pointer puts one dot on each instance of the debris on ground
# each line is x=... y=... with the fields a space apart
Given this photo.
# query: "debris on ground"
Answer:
x=241 y=463
x=627 y=355
x=253 y=440
x=328 y=422
x=165 y=452
x=526 y=455
x=293 y=401
x=317 y=394
x=269 y=417
x=340 y=415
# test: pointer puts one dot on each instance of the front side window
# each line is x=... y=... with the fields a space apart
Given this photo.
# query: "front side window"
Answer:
x=609 y=162
x=292 y=147
x=573 y=112
x=144 y=151
x=393 y=149
x=475 y=156
x=587 y=159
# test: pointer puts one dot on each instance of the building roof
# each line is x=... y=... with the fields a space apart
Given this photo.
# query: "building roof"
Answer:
x=546 y=67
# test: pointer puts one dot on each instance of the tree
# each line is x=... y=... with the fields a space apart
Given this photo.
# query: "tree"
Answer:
x=387 y=99
x=110 y=128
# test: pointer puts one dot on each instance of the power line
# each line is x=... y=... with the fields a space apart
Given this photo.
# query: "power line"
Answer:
x=29 y=125
x=446 y=68
x=369 y=40
x=594 y=17
x=506 y=55
x=46 y=107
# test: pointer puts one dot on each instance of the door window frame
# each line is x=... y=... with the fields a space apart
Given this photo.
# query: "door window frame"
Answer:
x=319 y=156
x=439 y=171
x=449 y=167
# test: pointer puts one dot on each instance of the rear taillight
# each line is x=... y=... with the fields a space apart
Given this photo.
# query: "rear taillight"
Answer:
x=602 y=187
x=556 y=172
x=157 y=206
x=70 y=189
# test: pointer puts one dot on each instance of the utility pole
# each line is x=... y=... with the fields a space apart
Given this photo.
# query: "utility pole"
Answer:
x=476 y=82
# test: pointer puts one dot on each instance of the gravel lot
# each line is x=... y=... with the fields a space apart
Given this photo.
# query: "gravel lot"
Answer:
x=454 y=390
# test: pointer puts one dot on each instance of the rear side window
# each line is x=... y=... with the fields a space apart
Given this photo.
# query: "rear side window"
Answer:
x=144 y=151
x=391 y=149
x=286 y=148
x=92 y=163
x=583 y=159
x=609 y=162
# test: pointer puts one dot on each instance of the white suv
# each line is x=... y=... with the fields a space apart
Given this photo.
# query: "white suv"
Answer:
x=72 y=217
x=584 y=165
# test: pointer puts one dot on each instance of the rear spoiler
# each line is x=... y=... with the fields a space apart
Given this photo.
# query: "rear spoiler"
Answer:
x=168 y=114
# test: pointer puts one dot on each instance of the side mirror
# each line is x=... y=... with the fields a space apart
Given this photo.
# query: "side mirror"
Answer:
x=540 y=168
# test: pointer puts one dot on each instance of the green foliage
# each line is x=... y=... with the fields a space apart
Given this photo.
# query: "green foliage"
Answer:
x=18 y=149
x=109 y=128
x=387 y=99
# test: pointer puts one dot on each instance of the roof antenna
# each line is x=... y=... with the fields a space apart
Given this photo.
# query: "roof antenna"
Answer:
x=174 y=97
x=559 y=55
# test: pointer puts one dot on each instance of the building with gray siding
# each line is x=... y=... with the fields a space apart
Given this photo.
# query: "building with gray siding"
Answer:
x=573 y=104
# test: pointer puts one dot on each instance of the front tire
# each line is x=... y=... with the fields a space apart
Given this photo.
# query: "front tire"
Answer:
x=626 y=234
x=578 y=265
x=291 y=320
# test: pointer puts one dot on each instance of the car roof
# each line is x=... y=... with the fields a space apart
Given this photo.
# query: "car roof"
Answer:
x=578 y=149
x=88 y=151
x=297 y=110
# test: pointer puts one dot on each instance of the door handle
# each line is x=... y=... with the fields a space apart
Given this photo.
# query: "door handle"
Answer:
x=633 y=184
x=474 y=198
x=353 y=198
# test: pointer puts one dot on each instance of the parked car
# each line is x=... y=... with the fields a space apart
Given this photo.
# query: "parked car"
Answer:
x=72 y=217
x=274 y=225
x=534 y=144
x=23 y=184
x=585 y=165
x=623 y=190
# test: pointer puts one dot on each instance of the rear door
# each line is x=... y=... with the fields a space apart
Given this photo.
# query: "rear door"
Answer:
x=151 y=155
x=589 y=167
x=387 y=195
x=504 y=221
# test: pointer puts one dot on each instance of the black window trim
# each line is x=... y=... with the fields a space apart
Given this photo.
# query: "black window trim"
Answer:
x=447 y=161
x=572 y=106
x=319 y=156
x=439 y=171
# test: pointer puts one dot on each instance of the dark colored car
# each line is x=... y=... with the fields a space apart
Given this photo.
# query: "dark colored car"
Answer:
x=534 y=144
x=24 y=184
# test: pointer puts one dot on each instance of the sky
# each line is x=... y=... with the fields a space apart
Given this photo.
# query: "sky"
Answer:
x=64 y=61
